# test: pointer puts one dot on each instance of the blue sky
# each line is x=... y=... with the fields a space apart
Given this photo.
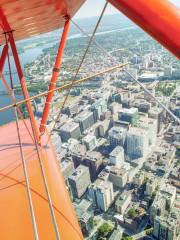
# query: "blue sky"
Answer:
x=94 y=7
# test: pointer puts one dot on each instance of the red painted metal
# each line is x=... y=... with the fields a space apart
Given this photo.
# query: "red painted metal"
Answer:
x=160 y=19
x=9 y=32
x=54 y=76
x=13 y=100
x=33 y=17
x=15 y=222
x=3 y=57
x=23 y=85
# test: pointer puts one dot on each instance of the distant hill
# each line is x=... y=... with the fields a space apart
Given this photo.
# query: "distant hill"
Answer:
x=108 y=22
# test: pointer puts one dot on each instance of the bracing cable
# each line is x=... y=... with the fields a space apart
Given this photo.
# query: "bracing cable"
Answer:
x=127 y=72
x=78 y=69
x=33 y=219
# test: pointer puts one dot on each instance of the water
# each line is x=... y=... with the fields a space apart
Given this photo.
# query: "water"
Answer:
x=26 y=57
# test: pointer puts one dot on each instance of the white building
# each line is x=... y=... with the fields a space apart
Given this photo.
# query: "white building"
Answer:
x=89 y=141
x=151 y=125
x=101 y=192
x=117 y=136
x=137 y=142
x=116 y=157
x=118 y=176
x=123 y=202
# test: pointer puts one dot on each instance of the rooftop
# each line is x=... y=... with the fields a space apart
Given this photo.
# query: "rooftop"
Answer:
x=83 y=115
x=88 y=138
x=137 y=131
x=66 y=163
x=122 y=198
x=116 y=151
x=78 y=172
x=69 y=126
x=93 y=155
x=128 y=110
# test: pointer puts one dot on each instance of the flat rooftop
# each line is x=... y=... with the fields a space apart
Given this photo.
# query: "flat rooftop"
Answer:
x=128 y=110
x=116 y=151
x=78 y=172
x=83 y=115
x=69 y=126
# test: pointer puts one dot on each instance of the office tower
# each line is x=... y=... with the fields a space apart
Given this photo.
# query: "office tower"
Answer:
x=89 y=141
x=79 y=181
x=137 y=142
x=84 y=215
x=116 y=157
x=67 y=168
x=159 y=114
x=150 y=125
x=164 y=200
x=70 y=130
x=118 y=176
x=85 y=120
x=167 y=227
x=129 y=115
x=94 y=161
x=122 y=202
x=117 y=136
x=101 y=192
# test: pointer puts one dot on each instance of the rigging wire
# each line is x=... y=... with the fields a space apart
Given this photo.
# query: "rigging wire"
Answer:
x=46 y=185
x=78 y=69
x=33 y=219
x=127 y=72
x=66 y=86
x=42 y=173
x=14 y=101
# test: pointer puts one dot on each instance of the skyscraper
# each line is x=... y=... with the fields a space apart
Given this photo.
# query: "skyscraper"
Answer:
x=101 y=192
x=137 y=142
x=79 y=181
x=116 y=157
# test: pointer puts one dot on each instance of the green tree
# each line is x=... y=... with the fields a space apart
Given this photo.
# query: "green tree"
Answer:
x=149 y=231
x=127 y=238
x=132 y=213
x=104 y=230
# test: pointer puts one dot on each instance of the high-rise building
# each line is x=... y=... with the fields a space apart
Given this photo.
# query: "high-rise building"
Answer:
x=117 y=136
x=123 y=202
x=67 y=168
x=137 y=142
x=56 y=140
x=70 y=130
x=79 y=181
x=89 y=141
x=150 y=125
x=164 y=200
x=159 y=114
x=118 y=176
x=101 y=192
x=85 y=216
x=116 y=157
x=139 y=178
x=94 y=161
x=151 y=186
x=129 y=115
x=78 y=152
x=85 y=120
x=166 y=228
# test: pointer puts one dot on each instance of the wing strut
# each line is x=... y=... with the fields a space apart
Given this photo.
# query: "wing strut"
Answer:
x=160 y=19
x=54 y=76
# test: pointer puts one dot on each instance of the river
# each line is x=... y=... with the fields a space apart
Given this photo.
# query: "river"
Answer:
x=28 y=56
x=25 y=57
